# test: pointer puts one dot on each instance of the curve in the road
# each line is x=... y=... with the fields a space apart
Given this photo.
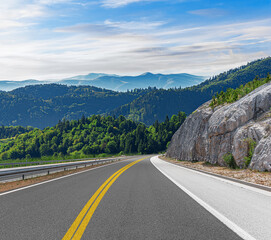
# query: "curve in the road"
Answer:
x=140 y=204
x=78 y=227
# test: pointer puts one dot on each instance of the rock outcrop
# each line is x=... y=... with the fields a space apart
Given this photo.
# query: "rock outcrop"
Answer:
x=209 y=134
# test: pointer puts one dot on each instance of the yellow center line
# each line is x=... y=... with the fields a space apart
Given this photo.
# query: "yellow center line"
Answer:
x=79 y=218
x=79 y=225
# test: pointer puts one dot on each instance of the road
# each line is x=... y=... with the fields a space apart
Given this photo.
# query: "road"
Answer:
x=137 y=201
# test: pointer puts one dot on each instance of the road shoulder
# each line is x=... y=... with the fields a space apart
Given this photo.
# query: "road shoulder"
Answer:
x=261 y=180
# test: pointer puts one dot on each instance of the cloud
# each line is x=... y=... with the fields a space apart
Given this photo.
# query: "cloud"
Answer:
x=121 y=3
x=27 y=9
x=24 y=13
x=209 y=12
x=16 y=10
x=89 y=28
x=18 y=14
x=52 y=2
x=121 y=47
x=135 y=25
x=110 y=28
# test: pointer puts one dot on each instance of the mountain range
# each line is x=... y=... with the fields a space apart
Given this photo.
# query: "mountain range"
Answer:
x=116 y=82
x=156 y=104
x=44 y=105
x=8 y=85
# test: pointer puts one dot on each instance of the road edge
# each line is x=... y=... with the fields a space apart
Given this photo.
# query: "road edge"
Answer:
x=250 y=184
x=231 y=225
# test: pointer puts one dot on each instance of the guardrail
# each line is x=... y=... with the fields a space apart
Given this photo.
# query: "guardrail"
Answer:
x=23 y=173
x=12 y=164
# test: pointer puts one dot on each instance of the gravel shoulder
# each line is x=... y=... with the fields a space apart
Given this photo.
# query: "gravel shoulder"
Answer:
x=262 y=178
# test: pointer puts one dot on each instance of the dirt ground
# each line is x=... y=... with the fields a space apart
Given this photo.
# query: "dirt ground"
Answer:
x=262 y=178
x=4 y=187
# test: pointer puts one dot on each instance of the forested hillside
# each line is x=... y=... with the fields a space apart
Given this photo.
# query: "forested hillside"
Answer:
x=92 y=136
x=158 y=103
x=43 y=105
x=232 y=95
x=9 y=132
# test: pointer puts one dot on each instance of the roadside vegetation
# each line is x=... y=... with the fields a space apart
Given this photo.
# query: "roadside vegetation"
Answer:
x=251 y=147
x=10 y=131
x=90 y=137
x=232 y=95
x=229 y=160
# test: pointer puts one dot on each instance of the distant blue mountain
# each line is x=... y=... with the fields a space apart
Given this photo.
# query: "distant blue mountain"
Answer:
x=6 y=85
x=90 y=76
x=115 y=82
x=123 y=83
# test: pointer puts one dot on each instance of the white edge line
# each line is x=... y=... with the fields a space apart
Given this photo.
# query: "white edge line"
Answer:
x=239 y=231
x=37 y=184
x=254 y=189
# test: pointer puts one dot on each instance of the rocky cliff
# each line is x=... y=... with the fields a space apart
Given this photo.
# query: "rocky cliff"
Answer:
x=237 y=129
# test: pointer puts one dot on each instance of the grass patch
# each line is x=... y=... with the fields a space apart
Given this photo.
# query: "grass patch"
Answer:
x=251 y=147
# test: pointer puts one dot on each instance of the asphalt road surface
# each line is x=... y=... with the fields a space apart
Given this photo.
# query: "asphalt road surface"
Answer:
x=131 y=199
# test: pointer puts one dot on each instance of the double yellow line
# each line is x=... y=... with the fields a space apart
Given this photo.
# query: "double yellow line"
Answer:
x=78 y=227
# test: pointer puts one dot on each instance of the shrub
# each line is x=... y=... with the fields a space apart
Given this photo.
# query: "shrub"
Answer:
x=251 y=148
x=232 y=95
x=229 y=160
x=102 y=155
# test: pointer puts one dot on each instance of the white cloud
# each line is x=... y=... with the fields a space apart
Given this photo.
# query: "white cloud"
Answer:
x=209 y=12
x=121 y=3
x=18 y=9
x=121 y=47
x=133 y=25
x=23 y=10
x=51 y=2
x=109 y=28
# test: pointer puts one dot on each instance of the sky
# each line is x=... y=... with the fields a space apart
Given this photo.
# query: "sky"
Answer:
x=54 y=39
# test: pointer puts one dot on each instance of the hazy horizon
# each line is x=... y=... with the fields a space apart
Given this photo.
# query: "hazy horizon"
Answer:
x=109 y=74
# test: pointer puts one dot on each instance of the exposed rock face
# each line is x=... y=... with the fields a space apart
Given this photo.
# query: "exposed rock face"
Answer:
x=261 y=159
x=207 y=135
